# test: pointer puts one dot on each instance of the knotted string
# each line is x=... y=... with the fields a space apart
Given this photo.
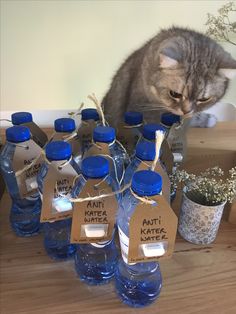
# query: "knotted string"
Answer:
x=99 y=108
x=143 y=199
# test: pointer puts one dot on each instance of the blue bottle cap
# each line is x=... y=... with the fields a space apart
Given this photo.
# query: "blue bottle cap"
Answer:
x=58 y=150
x=17 y=134
x=149 y=130
x=146 y=150
x=95 y=167
x=104 y=134
x=146 y=183
x=169 y=119
x=18 y=118
x=89 y=114
x=133 y=117
x=64 y=125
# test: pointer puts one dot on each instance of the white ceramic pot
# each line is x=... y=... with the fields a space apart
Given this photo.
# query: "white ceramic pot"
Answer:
x=199 y=224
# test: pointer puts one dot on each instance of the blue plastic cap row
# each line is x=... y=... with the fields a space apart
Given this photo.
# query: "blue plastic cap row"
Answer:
x=146 y=150
x=64 y=125
x=18 y=118
x=95 y=167
x=149 y=130
x=89 y=114
x=146 y=183
x=133 y=117
x=104 y=134
x=17 y=134
x=169 y=119
x=58 y=150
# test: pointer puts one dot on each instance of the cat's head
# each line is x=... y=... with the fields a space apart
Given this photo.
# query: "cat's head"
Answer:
x=187 y=72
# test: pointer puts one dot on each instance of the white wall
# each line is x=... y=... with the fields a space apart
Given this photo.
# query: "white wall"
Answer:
x=54 y=53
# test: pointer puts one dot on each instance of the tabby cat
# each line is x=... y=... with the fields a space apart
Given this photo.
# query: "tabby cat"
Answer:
x=178 y=70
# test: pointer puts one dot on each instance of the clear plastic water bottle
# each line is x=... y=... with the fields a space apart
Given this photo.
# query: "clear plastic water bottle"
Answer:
x=129 y=132
x=89 y=120
x=95 y=263
x=137 y=284
x=105 y=134
x=57 y=234
x=26 y=119
x=145 y=151
x=149 y=131
x=168 y=119
x=25 y=212
x=65 y=127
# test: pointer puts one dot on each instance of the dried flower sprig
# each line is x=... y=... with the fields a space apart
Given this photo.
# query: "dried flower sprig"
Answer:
x=221 y=27
x=209 y=187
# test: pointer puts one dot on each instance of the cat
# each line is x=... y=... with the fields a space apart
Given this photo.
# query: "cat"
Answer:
x=179 y=71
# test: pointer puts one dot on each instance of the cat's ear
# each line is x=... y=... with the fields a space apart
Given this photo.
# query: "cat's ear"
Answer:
x=166 y=62
x=227 y=67
x=227 y=73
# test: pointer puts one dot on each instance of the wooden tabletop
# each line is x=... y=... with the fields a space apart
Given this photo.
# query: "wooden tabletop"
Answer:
x=198 y=279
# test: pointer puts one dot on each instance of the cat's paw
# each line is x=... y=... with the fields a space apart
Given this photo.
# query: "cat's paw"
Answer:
x=203 y=120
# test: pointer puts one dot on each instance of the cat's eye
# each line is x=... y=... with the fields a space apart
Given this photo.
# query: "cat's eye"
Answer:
x=175 y=95
x=204 y=99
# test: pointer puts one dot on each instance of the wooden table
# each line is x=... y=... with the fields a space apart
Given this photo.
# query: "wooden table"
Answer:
x=198 y=279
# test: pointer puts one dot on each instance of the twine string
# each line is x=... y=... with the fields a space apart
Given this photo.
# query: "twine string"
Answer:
x=99 y=108
x=132 y=126
x=159 y=139
x=144 y=199
x=8 y=120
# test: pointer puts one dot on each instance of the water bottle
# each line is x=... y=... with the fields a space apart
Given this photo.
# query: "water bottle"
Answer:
x=137 y=284
x=65 y=131
x=26 y=119
x=145 y=151
x=107 y=135
x=25 y=212
x=63 y=128
x=95 y=263
x=57 y=233
x=89 y=120
x=168 y=119
x=129 y=132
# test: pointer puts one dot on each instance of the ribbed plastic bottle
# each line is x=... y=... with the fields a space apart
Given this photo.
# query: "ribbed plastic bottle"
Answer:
x=105 y=134
x=26 y=119
x=95 y=263
x=132 y=123
x=57 y=234
x=24 y=213
x=137 y=284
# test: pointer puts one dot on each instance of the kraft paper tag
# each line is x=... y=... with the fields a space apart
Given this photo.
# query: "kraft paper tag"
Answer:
x=176 y=138
x=93 y=221
x=165 y=179
x=128 y=137
x=25 y=154
x=37 y=134
x=85 y=132
x=167 y=156
x=152 y=232
x=57 y=183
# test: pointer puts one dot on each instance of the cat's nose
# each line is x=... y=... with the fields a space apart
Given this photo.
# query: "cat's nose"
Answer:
x=187 y=106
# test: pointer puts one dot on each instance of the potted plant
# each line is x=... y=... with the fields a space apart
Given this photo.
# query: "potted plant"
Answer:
x=203 y=201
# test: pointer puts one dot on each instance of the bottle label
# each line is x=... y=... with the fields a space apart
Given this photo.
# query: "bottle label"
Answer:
x=167 y=157
x=176 y=138
x=128 y=137
x=85 y=132
x=152 y=231
x=25 y=154
x=124 y=245
x=37 y=134
x=57 y=187
x=93 y=220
